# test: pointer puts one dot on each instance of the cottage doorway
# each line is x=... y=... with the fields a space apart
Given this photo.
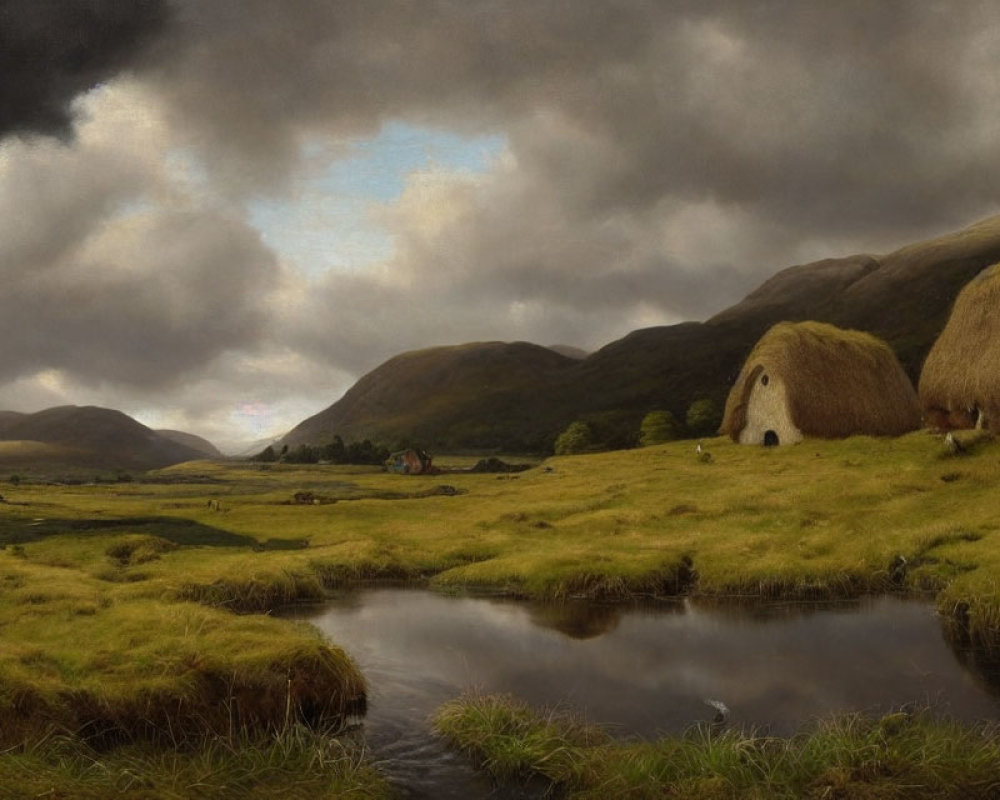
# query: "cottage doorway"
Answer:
x=771 y=439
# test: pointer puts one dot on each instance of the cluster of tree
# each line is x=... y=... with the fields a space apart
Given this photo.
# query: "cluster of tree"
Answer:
x=335 y=452
x=604 y=432
x=702 y=419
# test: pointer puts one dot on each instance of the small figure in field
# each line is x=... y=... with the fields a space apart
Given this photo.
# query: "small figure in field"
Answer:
x=703 y=455
x=955 y=446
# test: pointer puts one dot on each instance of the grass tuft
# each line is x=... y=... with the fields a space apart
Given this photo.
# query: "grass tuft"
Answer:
x=900 y=755
x=296 y=762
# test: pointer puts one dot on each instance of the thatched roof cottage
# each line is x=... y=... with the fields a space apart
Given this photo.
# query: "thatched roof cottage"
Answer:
x=960 y=381
x=812 y=379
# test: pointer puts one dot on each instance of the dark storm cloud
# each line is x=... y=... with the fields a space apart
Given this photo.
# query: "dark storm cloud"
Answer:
x=819 y=127
x=51 y=50
x=851 y=106
x=254 y=74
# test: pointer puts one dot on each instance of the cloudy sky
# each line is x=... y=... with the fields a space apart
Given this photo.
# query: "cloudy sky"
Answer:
x=216 y=215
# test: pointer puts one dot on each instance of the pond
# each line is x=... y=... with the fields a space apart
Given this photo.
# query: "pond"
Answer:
x=645 y=670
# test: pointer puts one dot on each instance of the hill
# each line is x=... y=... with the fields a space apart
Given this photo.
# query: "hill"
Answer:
x=203 y=446
x=576 y=353
x=87 y=436
x=519 y=396
x=478 y=396
x=7 y=419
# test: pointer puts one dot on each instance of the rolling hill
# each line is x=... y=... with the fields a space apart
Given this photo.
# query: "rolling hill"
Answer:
x=478 y=393
x=203 y=446
x=519 y=396
x=87 y=436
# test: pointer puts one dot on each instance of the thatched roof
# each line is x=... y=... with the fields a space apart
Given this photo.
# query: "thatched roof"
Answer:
x=962 y=370
x=838 y=382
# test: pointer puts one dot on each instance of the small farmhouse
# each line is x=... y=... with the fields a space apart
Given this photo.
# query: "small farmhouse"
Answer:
x=960 y=381
x=812 y=379
x=411 y=462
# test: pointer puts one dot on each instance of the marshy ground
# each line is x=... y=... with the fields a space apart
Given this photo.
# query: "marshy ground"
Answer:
x=131 y=613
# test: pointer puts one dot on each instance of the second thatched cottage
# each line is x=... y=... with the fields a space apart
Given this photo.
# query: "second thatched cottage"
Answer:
x=812 y=379
x=960 y=381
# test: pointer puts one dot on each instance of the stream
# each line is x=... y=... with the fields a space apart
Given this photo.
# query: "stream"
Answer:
x=644 y=670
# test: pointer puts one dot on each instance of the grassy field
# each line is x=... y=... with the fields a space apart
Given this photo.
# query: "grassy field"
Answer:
x=117 y=600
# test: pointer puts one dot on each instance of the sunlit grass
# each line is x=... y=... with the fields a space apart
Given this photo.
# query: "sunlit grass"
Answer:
x=125 y=605
x=821 y=519
x=82 y=662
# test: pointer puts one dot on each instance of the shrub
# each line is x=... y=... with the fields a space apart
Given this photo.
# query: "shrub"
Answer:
x=658 y=427
x=577 y=438
x=703 y=418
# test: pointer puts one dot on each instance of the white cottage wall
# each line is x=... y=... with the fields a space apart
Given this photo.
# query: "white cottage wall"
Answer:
x=767 y=410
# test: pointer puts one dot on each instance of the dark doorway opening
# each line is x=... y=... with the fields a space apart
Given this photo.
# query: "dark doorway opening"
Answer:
x=770 y=439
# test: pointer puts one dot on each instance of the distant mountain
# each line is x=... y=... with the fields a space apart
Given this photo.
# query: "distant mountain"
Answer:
x=520 y=396
x=903 y=297
x=87 y=436
x=203 y=446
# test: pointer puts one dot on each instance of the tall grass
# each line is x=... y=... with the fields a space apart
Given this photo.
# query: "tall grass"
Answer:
x=294 y=762
x=901 y=755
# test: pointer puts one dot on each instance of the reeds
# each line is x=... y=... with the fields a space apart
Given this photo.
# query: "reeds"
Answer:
x=510 y=740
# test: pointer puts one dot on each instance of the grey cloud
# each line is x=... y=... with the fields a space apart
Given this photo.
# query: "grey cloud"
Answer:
x=353 y=324
x=52 y=198
x=161 y=298
x=834 y=117
x=51 y=50
x=834 y=122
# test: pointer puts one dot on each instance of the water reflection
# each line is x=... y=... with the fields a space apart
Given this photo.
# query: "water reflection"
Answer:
x=983 y=663
x=646 y=670
x=576 y=620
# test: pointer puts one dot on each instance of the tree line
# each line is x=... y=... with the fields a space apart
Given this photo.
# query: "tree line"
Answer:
x=609 y=430
x=597 y=433
x=335 y=452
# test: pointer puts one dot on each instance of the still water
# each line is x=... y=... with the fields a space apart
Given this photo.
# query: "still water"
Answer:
x=644 y=670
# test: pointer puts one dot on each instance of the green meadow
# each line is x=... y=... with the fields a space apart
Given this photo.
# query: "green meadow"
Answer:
x=138 y=655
